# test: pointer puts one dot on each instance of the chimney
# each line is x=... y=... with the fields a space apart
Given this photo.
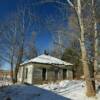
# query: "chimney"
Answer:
x=45 y=52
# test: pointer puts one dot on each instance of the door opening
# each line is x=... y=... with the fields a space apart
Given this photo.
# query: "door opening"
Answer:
x=56 y=74
x=44 y=74
x=64 y=73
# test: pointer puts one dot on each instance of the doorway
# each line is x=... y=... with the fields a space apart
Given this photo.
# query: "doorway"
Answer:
x=56 y=74
x=64 y=73
x=26 y=73
x=44 y=74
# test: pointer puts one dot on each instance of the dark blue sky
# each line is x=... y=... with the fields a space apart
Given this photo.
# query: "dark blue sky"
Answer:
x=7 y=7
x=43 y=36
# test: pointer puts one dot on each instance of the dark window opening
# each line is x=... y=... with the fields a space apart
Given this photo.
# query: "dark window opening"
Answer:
x=26 y=74
x=56 y=74
x=44 y=73
x=64 y=73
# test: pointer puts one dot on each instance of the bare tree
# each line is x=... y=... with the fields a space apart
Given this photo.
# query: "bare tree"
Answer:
x=90 y=84
x=31 y=50
x=23 y=28
x=95 y=36
x=8 y=43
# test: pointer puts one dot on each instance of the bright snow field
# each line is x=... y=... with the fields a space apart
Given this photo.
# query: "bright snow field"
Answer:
x=64 y=90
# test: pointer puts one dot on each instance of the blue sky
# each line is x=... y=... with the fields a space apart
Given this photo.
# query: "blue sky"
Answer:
x=43 y=41
x=43 y=36
x=8 y=7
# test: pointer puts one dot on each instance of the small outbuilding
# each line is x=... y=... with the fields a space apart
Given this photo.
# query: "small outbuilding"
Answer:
x=44 y=68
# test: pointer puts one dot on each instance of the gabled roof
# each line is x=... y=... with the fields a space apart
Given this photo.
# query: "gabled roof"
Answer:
x=47 y=59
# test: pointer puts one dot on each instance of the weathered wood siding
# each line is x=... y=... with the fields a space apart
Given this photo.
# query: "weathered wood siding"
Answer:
x=20 y=74
x=69 y=74
x=50 y=74
x=37 y=75
x=60 y=75
x=29 y=73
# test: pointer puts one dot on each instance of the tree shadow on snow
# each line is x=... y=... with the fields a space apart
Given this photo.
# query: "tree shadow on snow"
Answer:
x=25 y=92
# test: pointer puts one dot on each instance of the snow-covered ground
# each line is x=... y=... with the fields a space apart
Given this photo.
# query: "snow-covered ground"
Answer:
x=75 y=90
x=64 y=90
x=5 y=83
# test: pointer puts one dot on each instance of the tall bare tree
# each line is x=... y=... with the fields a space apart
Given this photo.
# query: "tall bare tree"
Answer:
x=90 y=83
x=95 y=36
x=24 y=22
x=8 y=43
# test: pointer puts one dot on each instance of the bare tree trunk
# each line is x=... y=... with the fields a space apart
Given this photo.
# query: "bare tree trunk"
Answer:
x=19 y=60
x=12 y=68
x=90 y=83
x=21 y=45
x=95 y=38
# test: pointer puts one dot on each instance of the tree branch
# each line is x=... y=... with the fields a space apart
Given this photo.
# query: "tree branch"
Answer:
x=4 y=59
x=50 y=1
x=70 y=3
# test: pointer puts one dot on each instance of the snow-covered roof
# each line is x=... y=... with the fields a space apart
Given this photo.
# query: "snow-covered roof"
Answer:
x=47 y=59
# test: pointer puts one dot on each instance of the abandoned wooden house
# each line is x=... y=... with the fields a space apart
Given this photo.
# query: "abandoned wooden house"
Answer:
x=44 y=68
